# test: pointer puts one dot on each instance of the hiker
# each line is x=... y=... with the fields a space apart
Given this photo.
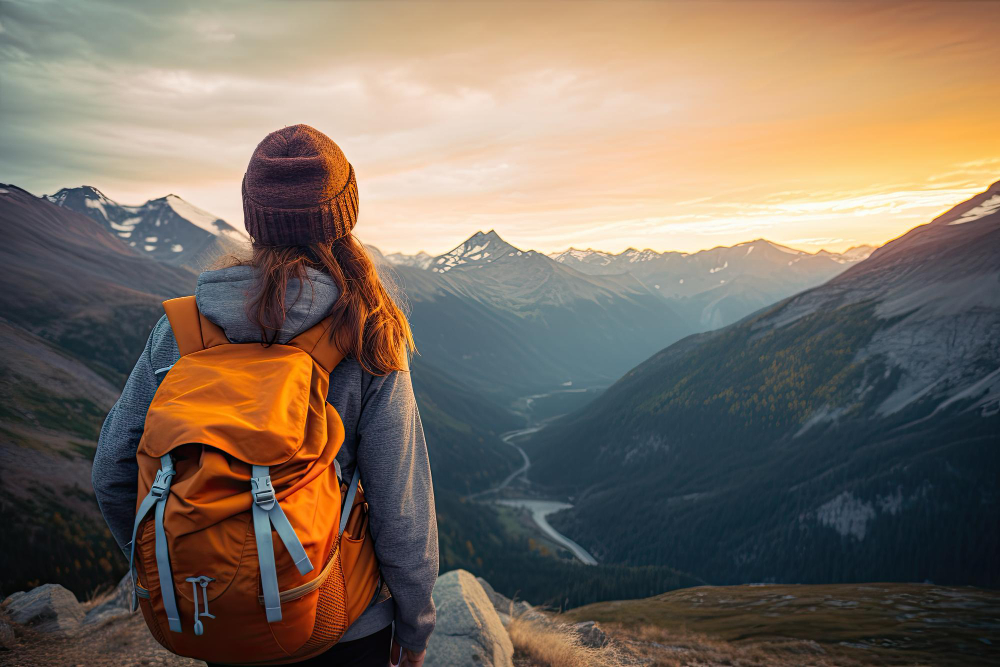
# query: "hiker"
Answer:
x=262 y=525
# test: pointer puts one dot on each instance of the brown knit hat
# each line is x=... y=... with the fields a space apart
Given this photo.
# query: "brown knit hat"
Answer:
x=299 y=189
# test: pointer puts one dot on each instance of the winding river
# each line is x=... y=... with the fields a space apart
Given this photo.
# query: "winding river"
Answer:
x=540 y=509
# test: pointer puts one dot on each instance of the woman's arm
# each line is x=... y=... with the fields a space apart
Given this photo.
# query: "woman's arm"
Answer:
x=396 y=475
x=115 y=473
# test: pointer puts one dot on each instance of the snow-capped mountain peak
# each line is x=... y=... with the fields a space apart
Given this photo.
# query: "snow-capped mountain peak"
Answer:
x=479 y=249
x=633 y=255
x=169 y=228
x=589 y=256
x=200 y=218
x=89 y=196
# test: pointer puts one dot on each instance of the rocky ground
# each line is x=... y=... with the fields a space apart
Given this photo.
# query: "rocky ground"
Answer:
x=844 y=625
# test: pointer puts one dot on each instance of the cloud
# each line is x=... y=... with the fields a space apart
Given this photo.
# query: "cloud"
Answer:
x=655 y=124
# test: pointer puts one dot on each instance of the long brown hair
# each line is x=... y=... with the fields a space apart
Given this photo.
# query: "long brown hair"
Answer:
x=368 y=325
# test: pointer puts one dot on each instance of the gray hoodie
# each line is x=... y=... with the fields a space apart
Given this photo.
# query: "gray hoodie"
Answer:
x=383 y=436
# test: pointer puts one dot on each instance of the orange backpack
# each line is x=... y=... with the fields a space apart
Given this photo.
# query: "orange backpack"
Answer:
x=238 y=449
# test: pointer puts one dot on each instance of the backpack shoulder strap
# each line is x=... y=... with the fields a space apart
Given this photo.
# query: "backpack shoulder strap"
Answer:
x=192 y=330
x=317 y=342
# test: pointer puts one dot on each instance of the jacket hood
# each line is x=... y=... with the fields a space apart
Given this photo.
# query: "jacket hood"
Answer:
x=221 y=296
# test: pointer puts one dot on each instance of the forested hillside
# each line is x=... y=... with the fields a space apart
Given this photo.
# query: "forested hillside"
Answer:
x=823 y=439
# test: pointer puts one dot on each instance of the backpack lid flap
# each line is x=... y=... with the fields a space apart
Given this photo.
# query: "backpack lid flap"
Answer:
x=250 y=401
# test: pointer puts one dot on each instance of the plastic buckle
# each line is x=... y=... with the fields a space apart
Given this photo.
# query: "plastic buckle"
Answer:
x=161 y=483
x=263 y=492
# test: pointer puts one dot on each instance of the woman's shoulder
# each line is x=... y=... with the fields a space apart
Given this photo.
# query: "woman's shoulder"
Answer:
x=351 y=376
x=162 y=346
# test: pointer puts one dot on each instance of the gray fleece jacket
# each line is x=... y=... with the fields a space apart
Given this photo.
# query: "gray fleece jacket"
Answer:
x=384 y=437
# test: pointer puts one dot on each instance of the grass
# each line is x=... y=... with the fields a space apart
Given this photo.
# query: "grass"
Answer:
x=556 y=645
x=841 y=624
x=654 y=645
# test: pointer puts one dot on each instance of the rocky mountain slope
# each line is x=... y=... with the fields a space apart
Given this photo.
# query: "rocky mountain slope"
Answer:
x=719 y=286
x=695 y=292
x=514 y=322
x=848 y=433
x=77 y=306
x=168 y=229
x=712 y=288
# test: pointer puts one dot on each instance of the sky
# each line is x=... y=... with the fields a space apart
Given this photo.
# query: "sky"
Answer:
x=672 y=126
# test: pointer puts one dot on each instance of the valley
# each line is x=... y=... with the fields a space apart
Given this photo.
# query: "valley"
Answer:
x=818 y=440
x=814 y=437
x=533 y=500
x=522 y=497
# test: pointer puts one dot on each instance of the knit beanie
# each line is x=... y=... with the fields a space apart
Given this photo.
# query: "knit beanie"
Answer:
x=299 y=189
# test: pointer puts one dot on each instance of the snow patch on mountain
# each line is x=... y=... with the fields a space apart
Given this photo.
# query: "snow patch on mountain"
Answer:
x=825 y=414
x=164 y=227
x=199 y=217
x=846 y=514
x=988 y=207
x=588 y=256
x=479 y=248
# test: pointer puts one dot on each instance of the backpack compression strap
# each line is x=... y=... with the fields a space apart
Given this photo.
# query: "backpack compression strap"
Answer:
x=192 y=330
x=316 y=341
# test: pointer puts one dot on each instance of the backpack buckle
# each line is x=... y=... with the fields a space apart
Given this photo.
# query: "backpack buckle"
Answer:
x=161 y=483
x=263 y=492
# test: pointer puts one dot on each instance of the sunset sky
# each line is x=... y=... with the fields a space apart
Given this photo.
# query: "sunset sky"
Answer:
x=674 y=126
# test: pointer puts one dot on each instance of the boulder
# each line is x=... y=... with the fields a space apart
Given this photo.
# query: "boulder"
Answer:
x=115 y=606
x=49 y=608
x=590 y=634
x=503 y=604
x=525 y=612
x=468 y=631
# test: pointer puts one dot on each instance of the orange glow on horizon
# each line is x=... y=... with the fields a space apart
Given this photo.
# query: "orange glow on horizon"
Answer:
x=673 y=126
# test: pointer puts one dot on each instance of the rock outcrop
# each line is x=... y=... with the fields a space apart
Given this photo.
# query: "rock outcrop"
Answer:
x=49 y=608
x=469 y=631
x=54 y=627
x=113 y=608
x=591 y=634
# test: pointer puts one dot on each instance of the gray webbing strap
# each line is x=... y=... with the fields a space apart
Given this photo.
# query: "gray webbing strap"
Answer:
x=267 y=512
x=144 y=507
x=163 y=559
x=157 y=496
x=345 y=511
x=290 y=539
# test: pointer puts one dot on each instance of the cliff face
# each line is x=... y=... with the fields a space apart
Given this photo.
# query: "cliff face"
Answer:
x=845 y=624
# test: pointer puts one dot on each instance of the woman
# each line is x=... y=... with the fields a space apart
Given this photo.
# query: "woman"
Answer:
x=300 y=204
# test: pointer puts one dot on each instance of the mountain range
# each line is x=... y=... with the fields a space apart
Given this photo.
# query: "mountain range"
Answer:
x=529 y=321
x=514 y=322
x=719 y=286
x=847 y=433
x=168 y=229
x=706 y=289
